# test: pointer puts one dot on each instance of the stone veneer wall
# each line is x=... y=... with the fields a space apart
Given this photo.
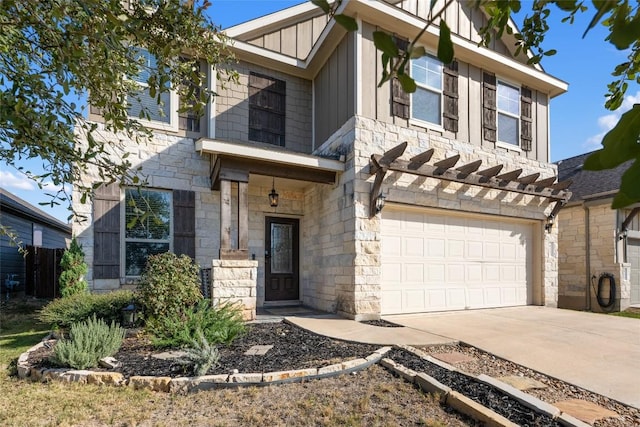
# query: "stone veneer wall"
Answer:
x=235 y=282
x=169 y=162
x=232 y=108
x=351 y=273
x=574 y=279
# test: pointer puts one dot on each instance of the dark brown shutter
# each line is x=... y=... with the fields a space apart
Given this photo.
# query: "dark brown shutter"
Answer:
x=450 y=92
x=400 y=100
x=106 y=232
x=184 y=223
x=526 y=134
x=489 y=107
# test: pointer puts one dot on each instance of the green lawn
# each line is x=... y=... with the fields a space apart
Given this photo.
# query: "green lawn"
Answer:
x=633 y=314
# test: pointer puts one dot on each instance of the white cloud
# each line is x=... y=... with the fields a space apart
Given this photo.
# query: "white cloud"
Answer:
x=20 y=182
x=608 y=121
x=13 y=181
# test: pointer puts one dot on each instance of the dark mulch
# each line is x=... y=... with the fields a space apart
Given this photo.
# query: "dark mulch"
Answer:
x=482 y=393
x=381 y=323
x=293 y=348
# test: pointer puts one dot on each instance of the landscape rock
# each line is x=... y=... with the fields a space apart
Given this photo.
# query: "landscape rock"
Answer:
x=109 y=363
x=150 y=383
x=105 y=378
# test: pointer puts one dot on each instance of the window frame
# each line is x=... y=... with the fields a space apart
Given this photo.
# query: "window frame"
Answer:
x=173 y=123
x=504 y=144
x=440 y=92
x=123 y=228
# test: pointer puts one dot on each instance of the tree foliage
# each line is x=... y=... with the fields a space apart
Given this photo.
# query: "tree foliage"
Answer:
x=73 y=270
x=622 y=21
x=56 y=52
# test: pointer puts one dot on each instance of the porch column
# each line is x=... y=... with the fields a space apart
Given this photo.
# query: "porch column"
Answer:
x=227 y=251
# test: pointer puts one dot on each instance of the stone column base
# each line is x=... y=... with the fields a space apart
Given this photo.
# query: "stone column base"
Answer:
x=235 y=281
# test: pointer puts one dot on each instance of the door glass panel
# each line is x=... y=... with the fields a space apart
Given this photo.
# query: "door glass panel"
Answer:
x=281 y=248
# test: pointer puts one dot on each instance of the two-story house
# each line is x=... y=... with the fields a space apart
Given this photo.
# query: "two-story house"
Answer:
x=307 y=183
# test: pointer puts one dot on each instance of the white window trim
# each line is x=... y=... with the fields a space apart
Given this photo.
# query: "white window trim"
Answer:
x=504 y=144
x=173 y=110
x=123 y=232
x=440 y=92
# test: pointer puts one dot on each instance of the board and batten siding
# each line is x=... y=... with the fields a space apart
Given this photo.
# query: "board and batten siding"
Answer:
x=376 y=103
x=294 y=40
x=334 y=87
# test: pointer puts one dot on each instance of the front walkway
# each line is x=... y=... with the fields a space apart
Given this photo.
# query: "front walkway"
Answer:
x=597 y=352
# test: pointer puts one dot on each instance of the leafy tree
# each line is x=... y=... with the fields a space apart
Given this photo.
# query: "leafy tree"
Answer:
x=73 y=270
x=54 y=52
x=622 y=20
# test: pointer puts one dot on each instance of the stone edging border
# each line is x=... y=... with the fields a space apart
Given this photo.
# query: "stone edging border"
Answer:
x=467 y=406
x=188 y=384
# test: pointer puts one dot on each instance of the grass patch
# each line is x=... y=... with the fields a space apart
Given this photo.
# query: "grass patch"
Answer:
x=19 y=329
x=632 y=314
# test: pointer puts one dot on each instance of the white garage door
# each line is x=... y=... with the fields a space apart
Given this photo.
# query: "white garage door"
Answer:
x=633 y=257
x=435 y=261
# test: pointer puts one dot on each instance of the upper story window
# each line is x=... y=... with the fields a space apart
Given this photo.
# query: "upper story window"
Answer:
x=508 y=113
x=267 y=102
x=146 y=107
x=426 y=101
x=147 y=227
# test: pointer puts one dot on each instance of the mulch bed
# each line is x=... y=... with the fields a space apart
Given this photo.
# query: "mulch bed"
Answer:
x=293 y=348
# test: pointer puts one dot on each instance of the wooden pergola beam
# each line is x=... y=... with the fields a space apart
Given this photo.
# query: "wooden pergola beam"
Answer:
x=529 y=178
x=421 y=159
x=443 y=165
x=510 y=176
x=469 y=168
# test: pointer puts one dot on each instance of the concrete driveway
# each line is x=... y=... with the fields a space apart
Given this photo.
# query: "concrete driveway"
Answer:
x=594 y=351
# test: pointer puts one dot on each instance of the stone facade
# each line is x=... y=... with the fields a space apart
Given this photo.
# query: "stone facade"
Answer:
x=232 y=108
x=588 y=247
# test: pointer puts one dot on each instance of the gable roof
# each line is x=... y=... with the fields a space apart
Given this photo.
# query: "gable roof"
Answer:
x=393 y=19
x=590 y=184
x=13 y=204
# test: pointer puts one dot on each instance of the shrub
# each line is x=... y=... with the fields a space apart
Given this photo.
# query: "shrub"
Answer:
x=168 y=286
x=73 y=270
x=63 y=312
x=88 y=342
x=219 y=325
x=202 y=355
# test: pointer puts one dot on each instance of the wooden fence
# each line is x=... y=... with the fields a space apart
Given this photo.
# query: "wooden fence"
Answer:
x=43 y=271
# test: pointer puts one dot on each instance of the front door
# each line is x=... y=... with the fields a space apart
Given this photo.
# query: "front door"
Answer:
x=281 y=259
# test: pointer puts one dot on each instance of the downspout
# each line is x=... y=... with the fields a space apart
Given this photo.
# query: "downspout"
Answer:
x=587 y=245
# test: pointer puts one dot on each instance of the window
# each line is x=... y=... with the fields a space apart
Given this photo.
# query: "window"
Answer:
x=426 y=101
x=508 y=114
x=147 y=227
x=266 y=109
x=142 y=105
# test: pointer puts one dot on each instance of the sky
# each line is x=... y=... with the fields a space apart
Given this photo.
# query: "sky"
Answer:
x=578 y=117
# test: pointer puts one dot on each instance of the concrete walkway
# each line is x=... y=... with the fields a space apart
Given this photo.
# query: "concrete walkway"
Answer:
x=594 y=351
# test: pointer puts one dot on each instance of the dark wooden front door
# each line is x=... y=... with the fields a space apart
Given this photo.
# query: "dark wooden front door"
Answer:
x=281 y=259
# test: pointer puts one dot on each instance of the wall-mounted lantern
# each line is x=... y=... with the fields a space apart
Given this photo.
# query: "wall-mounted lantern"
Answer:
x=273 y=196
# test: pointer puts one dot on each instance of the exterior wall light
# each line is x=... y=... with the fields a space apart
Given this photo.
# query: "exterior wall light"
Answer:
x=273 y=196
x=380 y=202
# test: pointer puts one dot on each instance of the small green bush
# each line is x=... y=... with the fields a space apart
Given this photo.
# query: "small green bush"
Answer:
x=74 y=268
x=168 y=286
x=63 y=312
x=88 y=342
x=202 y=355
x=219 y=325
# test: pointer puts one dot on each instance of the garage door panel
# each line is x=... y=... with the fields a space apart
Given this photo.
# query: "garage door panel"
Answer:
x=434 y=262
x=633 y=257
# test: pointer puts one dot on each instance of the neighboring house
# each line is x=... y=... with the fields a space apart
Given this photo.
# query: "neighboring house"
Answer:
x=595 y=239
x=461 y=167
x=31 y=227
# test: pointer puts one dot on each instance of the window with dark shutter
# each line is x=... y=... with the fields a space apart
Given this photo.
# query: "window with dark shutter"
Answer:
x=184 y=223
x=450 y=92
x=187 y=119
x=267 y=97
x=400 y=100
x=526 y=136
x=106 y=232
x=489 y=107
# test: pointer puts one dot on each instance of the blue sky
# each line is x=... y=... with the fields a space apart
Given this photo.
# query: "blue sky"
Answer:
x=578 y=118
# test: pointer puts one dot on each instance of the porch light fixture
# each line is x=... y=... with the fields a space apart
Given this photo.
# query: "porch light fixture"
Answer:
x=273 y=196
x=380 y=202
